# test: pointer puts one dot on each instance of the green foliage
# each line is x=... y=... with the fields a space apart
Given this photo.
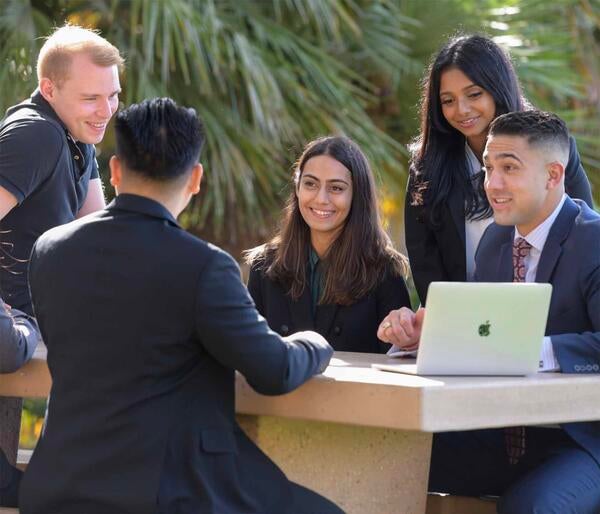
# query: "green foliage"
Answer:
x=556 y=48
x=267 y=76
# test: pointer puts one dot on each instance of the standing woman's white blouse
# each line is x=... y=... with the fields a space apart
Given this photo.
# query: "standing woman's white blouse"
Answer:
x=474 y=229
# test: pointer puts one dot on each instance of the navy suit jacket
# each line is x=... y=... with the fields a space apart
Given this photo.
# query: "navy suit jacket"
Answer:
x=145 y=325
x=438 y=253
x=570 y=261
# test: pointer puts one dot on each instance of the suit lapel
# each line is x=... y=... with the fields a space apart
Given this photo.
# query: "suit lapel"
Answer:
x=301 y=312
x=553 y=247
x=505 y=267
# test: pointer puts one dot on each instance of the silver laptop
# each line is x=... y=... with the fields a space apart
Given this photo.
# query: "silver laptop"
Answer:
x=480 y=329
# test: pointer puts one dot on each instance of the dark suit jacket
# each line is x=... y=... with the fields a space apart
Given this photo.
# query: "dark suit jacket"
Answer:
x=145 y=325
x=570 y=261
x=439 y=253
x=348 y=328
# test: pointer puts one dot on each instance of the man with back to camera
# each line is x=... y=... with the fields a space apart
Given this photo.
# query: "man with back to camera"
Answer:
x=49 y=176
x=539 y=234
x=152 y=345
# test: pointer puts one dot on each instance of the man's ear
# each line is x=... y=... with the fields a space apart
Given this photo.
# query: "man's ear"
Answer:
x=116 y=172
x=47 y=88
x=195 y=179
x=556 y=173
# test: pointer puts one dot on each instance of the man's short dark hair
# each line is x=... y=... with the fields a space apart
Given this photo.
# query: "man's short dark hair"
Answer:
x=158 y=139
x=539 y=127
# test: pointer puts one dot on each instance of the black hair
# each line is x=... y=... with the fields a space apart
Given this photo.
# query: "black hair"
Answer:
x=539 y=127
x=158 y=139
x=439 y=163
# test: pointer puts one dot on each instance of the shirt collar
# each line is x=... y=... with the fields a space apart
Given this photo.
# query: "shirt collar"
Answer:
x=41 y=103
x=79 y=151
x=142 y=205
x=313 y=258
x=472 y=160
x=537 y=237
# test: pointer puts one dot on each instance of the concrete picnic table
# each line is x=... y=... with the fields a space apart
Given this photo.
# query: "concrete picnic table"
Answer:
x=362 y=436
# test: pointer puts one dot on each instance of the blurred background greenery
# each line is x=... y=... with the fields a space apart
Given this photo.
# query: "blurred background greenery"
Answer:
x=268 y=75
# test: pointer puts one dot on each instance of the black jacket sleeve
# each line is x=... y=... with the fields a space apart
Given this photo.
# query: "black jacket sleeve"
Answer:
x=234 y=333
x=424 y=253
x=577 y=184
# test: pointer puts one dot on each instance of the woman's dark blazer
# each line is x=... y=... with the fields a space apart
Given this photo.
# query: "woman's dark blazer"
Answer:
x=439 y=253
x=348 y=328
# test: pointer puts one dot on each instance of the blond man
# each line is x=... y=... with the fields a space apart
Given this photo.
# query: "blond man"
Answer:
x=49 y=174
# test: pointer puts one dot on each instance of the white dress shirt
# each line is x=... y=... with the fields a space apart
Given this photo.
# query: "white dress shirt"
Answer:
x=537 y=239
x=474 y=229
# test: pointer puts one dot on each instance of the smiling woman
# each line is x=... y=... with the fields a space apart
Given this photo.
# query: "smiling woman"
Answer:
x=331 y=267
x=470 y=82
x=324 y=194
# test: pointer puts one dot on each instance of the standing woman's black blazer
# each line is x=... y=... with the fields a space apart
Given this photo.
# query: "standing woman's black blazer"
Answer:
x=348 y=328
x=438 y=253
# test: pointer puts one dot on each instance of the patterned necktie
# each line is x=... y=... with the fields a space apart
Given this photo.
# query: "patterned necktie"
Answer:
x=521 y=249
x=514 y=437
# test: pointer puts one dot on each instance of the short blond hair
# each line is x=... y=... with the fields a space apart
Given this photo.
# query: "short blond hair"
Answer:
x=54 y=60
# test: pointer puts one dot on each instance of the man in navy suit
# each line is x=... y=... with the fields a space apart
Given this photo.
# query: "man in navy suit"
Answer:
x=145 y=326
x=541 y=235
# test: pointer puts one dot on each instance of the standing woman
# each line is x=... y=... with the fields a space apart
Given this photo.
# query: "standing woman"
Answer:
x=331 y=267
x=471 y=81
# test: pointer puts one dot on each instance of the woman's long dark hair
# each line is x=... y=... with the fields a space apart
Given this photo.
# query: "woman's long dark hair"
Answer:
x=359 y=257
x=439 y=163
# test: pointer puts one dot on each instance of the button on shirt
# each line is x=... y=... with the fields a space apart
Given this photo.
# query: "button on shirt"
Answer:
x=537 y=239
x=48 y=172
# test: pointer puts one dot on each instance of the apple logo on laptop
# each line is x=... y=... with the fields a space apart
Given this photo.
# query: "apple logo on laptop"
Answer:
x=484 y=329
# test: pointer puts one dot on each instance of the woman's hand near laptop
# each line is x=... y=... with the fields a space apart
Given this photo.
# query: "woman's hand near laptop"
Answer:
x=402 y=328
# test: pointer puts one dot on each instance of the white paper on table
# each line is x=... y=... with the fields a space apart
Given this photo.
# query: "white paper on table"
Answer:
x=394 y=351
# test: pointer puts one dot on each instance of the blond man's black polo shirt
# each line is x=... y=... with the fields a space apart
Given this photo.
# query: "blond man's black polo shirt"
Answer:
x=48 y=173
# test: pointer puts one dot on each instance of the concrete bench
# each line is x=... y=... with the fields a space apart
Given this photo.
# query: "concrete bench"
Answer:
x=362 y=437
x=446 y=504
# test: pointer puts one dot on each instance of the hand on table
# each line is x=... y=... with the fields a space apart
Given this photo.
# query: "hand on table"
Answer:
x=402 y=328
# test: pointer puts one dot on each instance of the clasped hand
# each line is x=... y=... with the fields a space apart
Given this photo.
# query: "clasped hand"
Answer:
x=402 y=328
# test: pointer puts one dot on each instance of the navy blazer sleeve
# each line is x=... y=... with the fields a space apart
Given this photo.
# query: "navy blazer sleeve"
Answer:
x=580 y=352
x=234 y=333
x=19 y=337
x=577 y=184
